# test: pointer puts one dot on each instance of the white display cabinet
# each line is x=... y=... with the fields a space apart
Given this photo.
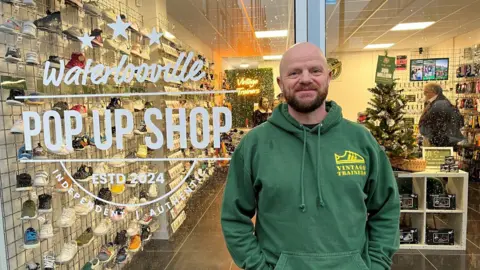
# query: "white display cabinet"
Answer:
x=454 y=219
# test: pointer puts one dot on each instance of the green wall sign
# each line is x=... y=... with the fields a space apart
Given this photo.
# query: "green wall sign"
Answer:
x=385 y=68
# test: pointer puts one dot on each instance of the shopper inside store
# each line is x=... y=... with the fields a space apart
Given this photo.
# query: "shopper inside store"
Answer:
x=235 y=134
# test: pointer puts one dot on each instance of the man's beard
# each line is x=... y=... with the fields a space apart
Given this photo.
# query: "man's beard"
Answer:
x=305 y=107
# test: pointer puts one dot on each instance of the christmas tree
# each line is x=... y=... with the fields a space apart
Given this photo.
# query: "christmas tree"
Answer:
x=385 y=122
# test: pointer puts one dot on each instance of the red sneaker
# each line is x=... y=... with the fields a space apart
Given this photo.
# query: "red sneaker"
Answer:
x=78 y=60
x=81 y=109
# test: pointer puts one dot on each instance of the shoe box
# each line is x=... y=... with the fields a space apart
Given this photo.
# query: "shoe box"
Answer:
x=409 y=201
x=440 y=237
x=408 y=236
x=441 y=201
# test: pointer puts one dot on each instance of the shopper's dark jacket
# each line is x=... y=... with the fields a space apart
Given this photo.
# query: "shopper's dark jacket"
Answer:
x=311 y=190
x=441 y=123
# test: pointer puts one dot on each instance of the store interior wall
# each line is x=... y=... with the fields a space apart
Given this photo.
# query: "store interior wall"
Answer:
x=350 y=90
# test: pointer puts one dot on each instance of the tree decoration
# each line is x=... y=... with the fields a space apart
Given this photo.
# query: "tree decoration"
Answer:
x=386 y=100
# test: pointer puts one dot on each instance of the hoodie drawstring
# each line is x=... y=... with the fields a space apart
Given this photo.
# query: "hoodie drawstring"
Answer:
x=320 y=201
x=302 y=190
x=319 y=177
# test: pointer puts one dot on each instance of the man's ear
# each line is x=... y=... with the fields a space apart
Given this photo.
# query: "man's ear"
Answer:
x=279 y=82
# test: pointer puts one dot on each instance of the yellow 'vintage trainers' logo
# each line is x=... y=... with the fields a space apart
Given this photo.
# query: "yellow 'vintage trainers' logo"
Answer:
x=350 y=163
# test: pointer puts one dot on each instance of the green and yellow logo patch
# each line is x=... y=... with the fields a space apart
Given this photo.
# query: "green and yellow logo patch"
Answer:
x=350 y=163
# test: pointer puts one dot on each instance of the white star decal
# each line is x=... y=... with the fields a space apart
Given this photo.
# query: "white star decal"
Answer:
x=154 y=36
x=119 y=28
x=86 y=40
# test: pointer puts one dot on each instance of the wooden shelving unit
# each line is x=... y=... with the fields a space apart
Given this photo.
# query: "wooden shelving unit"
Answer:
x=455 y=219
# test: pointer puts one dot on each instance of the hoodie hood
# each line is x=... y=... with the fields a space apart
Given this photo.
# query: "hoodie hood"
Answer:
x=281 y=118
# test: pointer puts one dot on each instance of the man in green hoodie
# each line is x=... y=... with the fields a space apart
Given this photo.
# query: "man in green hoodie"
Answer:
x=322 y=189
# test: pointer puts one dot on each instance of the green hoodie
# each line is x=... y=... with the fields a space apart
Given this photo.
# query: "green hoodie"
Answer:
x=311 y=190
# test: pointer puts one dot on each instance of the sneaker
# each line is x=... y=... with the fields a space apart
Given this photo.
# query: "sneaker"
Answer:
x=148 y=105
x=97 y=41
x=29 y=210
x=115 y=103
x=40 y=179
x=143 y=129
x=92 y=9
x=143 y=196
x=67 y=219
x=30 y=239
x=69 y=250
x=133 y=228
x=132 y=204
x=118 y=214
x=86 y=238
x=146 y=219
x=135 y=50
x=122 y=256
x=77 y=60
x=111 y=44
x=46 y=230
x=64 y=185
x=29 y=29
x=39 y=152
x=78 y=144
x=127 y=104
x=45 y=203
x=124 y=48
x=24 y=154
x=83 y=174
x=82 y=209
x=101 y=168
x=63 y=151
x=34 y=99
x=93 y=264
x=97 y=106
x=32 y=266
x=135 y=243
x=106 y=253
x=118 y=189
x=13 y=55
x=146 y=233
x=54 y=61
x=152 y=191
x=103 y=228
x=51 y=23
x=12 y=100
x=60 y=107
x=24 y=182
x=109 y=15
x=81 y=109
x=132 y=180
x=104 y=194
x=30 y=3
x=138 y=105
x=49 y=260
x=117 y=163
x=72 y=33
x=10 y=26
x=18 y=127
x=142 y=151
x=75 y=3
x=31 y=58
x=121 y=238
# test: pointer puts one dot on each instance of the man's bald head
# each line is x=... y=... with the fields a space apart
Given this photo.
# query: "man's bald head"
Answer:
x=301 y=49
x=304 y=77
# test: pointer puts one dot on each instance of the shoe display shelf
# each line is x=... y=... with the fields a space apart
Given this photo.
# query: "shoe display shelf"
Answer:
x=466 y=72
x=457 y=183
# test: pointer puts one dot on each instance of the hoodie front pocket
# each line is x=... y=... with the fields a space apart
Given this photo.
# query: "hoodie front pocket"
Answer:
x=313 y=261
